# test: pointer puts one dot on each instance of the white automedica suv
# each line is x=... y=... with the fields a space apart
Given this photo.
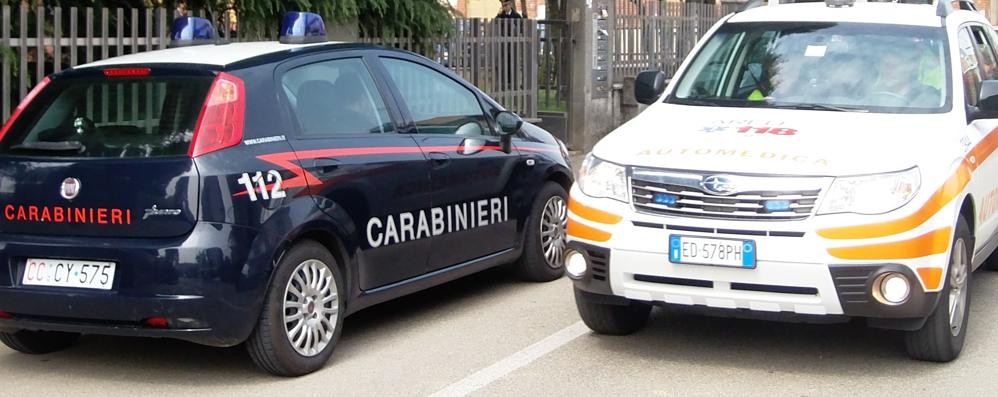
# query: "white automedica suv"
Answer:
x=809 y=161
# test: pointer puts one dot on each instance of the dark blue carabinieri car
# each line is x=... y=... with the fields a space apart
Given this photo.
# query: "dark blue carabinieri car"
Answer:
x=260 y=193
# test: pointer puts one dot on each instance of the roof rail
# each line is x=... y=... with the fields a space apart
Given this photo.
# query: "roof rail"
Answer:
x=943 y=7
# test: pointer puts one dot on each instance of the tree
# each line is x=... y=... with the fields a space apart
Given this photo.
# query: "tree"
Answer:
x=261 y=18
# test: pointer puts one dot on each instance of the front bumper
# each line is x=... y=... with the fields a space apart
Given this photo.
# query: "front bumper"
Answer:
x=797 y=271
x=210 y=285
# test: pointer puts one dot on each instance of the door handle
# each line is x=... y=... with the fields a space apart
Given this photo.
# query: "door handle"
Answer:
x=439 y=159
x=326 y=165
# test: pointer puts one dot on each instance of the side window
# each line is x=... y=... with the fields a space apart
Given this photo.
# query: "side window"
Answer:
x=986 y=53
x=438 y=104
x=969 y=66
x=336 y=97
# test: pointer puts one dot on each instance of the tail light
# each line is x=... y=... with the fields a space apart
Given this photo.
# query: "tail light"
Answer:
x=222 y=118
x=156 y=322
x=4 y=315
x=24 y=103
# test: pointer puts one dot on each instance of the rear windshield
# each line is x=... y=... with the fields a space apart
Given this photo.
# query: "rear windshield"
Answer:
x=112 y=118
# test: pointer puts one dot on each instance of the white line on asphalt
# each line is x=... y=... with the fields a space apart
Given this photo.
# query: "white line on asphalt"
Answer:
x=517 y=360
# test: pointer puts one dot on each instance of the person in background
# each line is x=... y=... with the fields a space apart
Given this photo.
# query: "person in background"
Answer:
x=508 y=10
x=181 y=10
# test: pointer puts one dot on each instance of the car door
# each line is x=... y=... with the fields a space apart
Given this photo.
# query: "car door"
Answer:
x=361 y=171
x=470 y=175
x=979 y=63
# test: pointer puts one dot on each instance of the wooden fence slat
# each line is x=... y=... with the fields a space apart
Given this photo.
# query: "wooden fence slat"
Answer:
x=57 y=38
x=40 y=52
x=134 y=17
x=22 y=71
x=105 y=15
x=119 y=31
x=7 y=89
x=90 y=34
x=73 y=50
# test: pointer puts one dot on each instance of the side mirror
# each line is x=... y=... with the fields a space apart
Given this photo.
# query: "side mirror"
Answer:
x=509 y=125
x=987 y=102
x=509 y=122
x=648 y=86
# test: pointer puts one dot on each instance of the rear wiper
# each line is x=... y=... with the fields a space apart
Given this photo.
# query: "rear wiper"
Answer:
x=816 y=106
x=66 y=146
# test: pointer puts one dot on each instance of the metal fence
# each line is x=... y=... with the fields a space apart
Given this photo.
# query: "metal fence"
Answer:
x=658 y=34
x=500 y=56
x=38 y=42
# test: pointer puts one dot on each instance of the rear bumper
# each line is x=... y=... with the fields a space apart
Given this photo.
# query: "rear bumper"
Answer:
x=210 y=285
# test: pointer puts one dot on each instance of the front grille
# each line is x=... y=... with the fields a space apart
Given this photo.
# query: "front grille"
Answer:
x=757 y=198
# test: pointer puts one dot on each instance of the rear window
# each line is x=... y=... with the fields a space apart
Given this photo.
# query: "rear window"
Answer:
x=112 y=118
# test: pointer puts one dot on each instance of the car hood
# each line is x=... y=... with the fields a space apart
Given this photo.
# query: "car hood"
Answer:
x=774 y=141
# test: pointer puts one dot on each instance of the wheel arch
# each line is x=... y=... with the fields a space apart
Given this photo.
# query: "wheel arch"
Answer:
x=560 y=176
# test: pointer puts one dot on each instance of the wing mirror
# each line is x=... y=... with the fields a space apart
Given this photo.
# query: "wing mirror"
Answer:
x=509 y=125
x=987 y=102
x=648 y=86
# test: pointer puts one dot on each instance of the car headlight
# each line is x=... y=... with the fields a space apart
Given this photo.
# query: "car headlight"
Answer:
x=871 y=194
x=598 y=178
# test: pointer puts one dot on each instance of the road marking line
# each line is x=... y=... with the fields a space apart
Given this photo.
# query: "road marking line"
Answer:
x=517 y=360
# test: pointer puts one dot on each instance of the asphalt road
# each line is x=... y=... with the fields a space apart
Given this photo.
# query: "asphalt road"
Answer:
x=443 y=338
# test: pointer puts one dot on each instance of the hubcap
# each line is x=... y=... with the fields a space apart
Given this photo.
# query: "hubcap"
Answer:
x=553 y=221
x=958 y=287
x=311 y=307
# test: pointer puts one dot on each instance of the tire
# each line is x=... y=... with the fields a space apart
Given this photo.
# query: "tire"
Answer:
x=609 y=319
x=38 y=342
x=544 y=244
x=940 y=340
x=294 y=281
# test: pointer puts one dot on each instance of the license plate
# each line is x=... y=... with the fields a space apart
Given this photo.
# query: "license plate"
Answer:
x=712 y=251
x=68 y=274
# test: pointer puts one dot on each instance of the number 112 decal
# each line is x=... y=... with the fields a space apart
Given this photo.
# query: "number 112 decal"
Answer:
x=257 y=186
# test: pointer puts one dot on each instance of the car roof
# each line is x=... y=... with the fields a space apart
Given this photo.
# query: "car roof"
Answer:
x=217 y=55
x=860 y=12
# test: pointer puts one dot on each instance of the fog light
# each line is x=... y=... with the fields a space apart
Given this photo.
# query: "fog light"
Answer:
x=893 y=288
x=575 y=264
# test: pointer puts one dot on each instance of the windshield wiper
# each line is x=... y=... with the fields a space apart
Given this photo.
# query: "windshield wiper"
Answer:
x=693 y=102
x=816 y=106
x=66 y=146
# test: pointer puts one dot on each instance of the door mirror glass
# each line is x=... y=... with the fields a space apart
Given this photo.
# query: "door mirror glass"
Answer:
x=509 y=122
x=648 y=86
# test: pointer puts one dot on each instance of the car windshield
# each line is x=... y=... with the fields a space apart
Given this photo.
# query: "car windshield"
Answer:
x=821 y=66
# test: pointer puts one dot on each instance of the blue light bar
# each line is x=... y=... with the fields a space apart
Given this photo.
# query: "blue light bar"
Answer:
x=302 y=28
x=188 y=31
x=777 y=205
x=665 y=199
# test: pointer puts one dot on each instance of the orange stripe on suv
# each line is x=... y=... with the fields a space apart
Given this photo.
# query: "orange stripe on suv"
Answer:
x=592 y=214
x=931 y=243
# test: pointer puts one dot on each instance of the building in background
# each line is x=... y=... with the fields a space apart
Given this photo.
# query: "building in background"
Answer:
x=489 y=8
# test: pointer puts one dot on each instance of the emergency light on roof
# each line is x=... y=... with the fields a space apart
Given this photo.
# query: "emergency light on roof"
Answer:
x=189 y=31
x=302 y=28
